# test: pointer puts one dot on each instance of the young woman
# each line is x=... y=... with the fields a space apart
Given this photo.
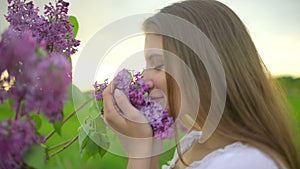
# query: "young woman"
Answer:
x=255 y=130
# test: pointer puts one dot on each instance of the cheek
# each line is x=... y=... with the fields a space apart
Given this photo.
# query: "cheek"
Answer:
x=161 y=82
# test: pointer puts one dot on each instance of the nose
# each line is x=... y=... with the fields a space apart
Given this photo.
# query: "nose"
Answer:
x=148 y=78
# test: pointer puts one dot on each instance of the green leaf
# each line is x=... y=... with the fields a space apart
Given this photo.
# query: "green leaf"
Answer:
x=6 y=109
x=40 y=52
x=93 y=110
x=35 y=156
x=142 y=71
x=10 y=102
x=57 y=126
x=82 y=137
x=74 y=22
x=101 y=139
x=85 y=156
x=68 y=107
x=70 y=59
x=37 y=120
x=91 y=147
x=90 y=150
x=102 y=152
x=70 y=92
x=92 y=138
x=99 y=104
x=100 y=125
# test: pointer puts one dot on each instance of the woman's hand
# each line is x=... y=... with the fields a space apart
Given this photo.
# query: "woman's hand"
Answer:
x=128 y=123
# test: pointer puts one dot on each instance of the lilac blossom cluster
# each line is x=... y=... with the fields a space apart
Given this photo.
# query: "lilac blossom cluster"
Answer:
x=97 y=93
x=53 y=28
x=137 y=90
x=16 y=137
x=34 y=50
x=99 y=88
x=38 y=81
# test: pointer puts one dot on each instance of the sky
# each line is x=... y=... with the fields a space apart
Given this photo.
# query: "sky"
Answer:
x=273 y=25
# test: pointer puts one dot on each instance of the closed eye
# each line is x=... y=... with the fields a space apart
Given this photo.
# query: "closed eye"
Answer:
x=159 y=67
x=155 y=60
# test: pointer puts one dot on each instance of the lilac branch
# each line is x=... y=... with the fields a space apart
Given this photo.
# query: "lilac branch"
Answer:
x=65 y=147
x=18 y=109
x=69 y=116
x=58 y=145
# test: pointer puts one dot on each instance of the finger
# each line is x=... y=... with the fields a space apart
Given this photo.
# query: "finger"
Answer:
x=157 y=147
x=126 y=107
x=111 y=115
x=108 y=89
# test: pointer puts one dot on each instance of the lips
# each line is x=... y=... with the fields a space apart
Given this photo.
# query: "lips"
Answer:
x=158 y=96
x=160 y=99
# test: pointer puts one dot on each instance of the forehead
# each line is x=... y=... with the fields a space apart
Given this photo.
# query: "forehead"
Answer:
x=153 y=41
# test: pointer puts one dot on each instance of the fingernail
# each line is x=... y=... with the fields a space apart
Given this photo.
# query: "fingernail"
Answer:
x=117 y=93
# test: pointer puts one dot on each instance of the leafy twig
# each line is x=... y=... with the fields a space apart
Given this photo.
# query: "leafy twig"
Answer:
x=59 y=144
x=66 y=146
x=69 y=116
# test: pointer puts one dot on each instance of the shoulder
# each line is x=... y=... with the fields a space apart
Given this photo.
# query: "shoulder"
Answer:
x=236 y=156
x=245 y=157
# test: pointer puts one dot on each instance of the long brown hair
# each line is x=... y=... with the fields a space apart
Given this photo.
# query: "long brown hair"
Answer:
x=255 y=109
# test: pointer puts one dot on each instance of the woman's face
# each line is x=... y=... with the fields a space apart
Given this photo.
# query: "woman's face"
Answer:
x=156 y=77
x=154 y=73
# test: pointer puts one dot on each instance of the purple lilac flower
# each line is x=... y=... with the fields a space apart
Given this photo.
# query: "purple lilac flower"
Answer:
x=159 y=119
x=17 y=50
x=53 y=28
x=57 y=29
x=49 y=87
x=123 y=81
x=18 y=59
x=156 y=115
x=22 y=15
x=97 y=93
x=15 y=139
x=99 y=88
x=40 y=81
x=137 y=90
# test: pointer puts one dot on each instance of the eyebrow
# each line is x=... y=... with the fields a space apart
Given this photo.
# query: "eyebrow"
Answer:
x=152 y=54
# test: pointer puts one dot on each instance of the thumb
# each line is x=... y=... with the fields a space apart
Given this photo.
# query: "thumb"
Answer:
x=130 y=112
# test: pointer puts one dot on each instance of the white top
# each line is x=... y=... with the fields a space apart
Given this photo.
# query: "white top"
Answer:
x=233 y=156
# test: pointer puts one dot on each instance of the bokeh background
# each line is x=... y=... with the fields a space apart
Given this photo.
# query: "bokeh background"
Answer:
x=273 y=25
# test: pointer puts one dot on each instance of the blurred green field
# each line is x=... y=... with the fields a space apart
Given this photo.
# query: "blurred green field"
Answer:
x=70 y=158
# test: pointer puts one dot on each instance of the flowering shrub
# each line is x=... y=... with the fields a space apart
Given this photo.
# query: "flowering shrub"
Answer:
x=34 y=74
